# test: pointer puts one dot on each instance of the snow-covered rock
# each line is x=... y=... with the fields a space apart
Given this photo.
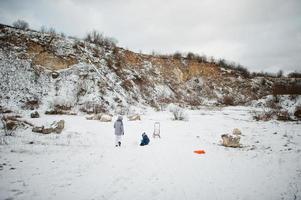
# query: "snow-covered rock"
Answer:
x=236 y=131
x=101 y=117
x=134 y=117
x=55 y=127
x=230 y=140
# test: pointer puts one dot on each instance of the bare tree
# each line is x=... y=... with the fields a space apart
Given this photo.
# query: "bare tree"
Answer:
x=51 y=31
x=21 y=24
x=63 y=35
x=43 y=29
x=279 y=74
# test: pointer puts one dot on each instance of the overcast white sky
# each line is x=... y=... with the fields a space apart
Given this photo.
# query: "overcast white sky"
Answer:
x=263 y=35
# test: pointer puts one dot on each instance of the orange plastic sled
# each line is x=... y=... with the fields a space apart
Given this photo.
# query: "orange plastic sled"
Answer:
x=199 y=151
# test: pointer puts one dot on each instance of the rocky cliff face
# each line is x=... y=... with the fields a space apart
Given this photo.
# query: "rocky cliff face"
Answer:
x=44 y=70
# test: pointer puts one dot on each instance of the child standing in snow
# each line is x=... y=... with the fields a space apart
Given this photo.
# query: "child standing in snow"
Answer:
x=145 y=140
x=119 y=131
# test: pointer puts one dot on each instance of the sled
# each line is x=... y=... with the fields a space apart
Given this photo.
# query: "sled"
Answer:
x=199 y=151
x=156 y=130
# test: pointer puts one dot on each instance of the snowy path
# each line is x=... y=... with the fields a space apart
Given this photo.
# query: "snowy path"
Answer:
x=82 y=162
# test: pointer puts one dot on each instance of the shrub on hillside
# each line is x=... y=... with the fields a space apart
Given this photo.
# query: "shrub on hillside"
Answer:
x=294 y=75
x=227 y=100
x=177 y=55
x=279 y=74
x=94 y=37
x=43 y=29
x=31 y=104
x=191 y=56
x=244 y=71
x=202 y=59
x=50 y=31
x=263 y=74
x=233 y=66
x=222 y=63
x=63 y=35
x=99 y=39
x=78 y=44
x=164 y=56
x=21 y=24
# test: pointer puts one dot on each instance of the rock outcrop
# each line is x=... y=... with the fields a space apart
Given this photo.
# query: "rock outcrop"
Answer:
x=55 y=127
x=101 y=117
x=42 y=67
x=134 y=117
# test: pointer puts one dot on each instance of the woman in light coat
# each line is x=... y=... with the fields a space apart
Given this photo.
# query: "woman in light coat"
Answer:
x=119 y=131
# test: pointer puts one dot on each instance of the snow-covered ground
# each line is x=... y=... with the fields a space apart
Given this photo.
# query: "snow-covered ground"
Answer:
x=83 y=163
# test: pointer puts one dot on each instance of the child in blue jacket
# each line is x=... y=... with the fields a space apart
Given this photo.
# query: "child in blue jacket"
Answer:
x=145 y=140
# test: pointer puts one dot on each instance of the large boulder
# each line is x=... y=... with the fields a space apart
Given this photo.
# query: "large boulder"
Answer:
x=34 y=114
x=42 y=129
x=230 y=141
x=11 y=124
x=134 y=117
x=58 y=126
x=106 y=118
x=57 y=111
x=101 y=117
x=55 y=74
x=55 y=127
